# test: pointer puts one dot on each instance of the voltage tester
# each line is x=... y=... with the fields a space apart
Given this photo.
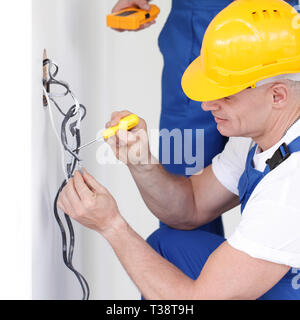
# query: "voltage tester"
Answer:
x=132 y=18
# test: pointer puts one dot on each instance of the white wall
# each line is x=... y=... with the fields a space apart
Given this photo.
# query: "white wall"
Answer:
x=55 y=24
x=108 y=71
x=15 y=83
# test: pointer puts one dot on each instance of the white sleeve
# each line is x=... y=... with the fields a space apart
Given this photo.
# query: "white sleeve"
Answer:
x=229 y=165
x=269 y=228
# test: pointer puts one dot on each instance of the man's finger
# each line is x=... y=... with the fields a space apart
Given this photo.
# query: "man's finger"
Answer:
x=92 y=182
x=131 y=137
x=82 y=189
x=120 y=6
x=143 y=4
x=72 y=195
x=117 y=116
x=119 y=30
x=63 y=203
x=121 y=136
x=146 y=25
x=113 y=142
x=60 y=205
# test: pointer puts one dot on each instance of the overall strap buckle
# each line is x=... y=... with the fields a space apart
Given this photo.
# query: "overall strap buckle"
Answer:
x=280 y=155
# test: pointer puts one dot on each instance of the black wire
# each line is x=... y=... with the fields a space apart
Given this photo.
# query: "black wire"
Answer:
x=52 y=76
x=71 y=168
x=69 y=115
x=67 y=252
x=64 y=139
x=66 y=256
x=48 y=61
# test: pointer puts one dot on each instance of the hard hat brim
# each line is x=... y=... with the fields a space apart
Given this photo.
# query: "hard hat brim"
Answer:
x=197 y=86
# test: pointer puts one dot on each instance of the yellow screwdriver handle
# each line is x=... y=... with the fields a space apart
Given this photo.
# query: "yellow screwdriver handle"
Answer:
x=126 y=123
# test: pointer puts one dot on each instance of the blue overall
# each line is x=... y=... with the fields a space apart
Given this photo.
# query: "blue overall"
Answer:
x=180 y=43
x=189 y=250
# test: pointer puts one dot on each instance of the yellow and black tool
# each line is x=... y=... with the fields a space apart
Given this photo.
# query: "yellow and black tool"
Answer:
x=132 y=18
x=125 y=123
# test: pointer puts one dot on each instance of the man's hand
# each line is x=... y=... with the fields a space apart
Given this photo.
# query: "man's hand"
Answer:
x=131 y=147
x=88 y=202
x=142 y=4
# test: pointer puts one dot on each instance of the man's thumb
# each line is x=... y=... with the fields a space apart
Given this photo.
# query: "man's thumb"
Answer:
x=144 y=4
x=92 y=182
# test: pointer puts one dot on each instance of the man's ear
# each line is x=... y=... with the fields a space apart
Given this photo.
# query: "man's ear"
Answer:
x=280 y=92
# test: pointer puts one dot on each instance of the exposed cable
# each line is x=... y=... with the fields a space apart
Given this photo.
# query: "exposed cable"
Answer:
x=56 y=132
x=76 y=113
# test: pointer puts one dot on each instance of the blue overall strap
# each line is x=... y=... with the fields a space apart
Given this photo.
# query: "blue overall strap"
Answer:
x=246 y=186
x=251 y=177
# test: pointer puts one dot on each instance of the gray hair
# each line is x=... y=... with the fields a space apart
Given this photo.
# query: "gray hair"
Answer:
x=295 y=86
x=293 y=77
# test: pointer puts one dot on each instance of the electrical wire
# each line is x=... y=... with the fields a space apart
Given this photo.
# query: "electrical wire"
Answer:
x=77 y=112
x=55 y=132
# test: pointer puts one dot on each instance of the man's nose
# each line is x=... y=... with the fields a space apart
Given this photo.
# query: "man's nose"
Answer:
x=211 y=105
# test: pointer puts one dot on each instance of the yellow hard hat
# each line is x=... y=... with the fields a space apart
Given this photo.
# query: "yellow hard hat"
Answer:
x=248 y=41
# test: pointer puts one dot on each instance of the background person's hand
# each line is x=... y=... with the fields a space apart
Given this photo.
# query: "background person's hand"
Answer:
x=131 y=147
x=88 y=202
x=142 y=4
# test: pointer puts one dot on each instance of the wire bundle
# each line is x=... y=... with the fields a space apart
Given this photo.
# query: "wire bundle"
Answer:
x=70 y=127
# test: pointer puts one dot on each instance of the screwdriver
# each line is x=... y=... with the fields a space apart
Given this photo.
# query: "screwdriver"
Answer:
x=125 y=123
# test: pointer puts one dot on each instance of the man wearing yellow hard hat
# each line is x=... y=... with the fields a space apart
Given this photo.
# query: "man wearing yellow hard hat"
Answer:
x=248 y=77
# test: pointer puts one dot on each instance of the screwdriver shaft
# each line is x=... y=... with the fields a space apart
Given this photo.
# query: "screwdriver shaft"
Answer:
x=87 y=144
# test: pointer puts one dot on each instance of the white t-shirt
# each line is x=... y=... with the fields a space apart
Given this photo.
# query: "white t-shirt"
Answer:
x=270 y=223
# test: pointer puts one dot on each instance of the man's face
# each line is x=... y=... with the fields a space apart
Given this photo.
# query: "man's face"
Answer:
x=244 y=114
